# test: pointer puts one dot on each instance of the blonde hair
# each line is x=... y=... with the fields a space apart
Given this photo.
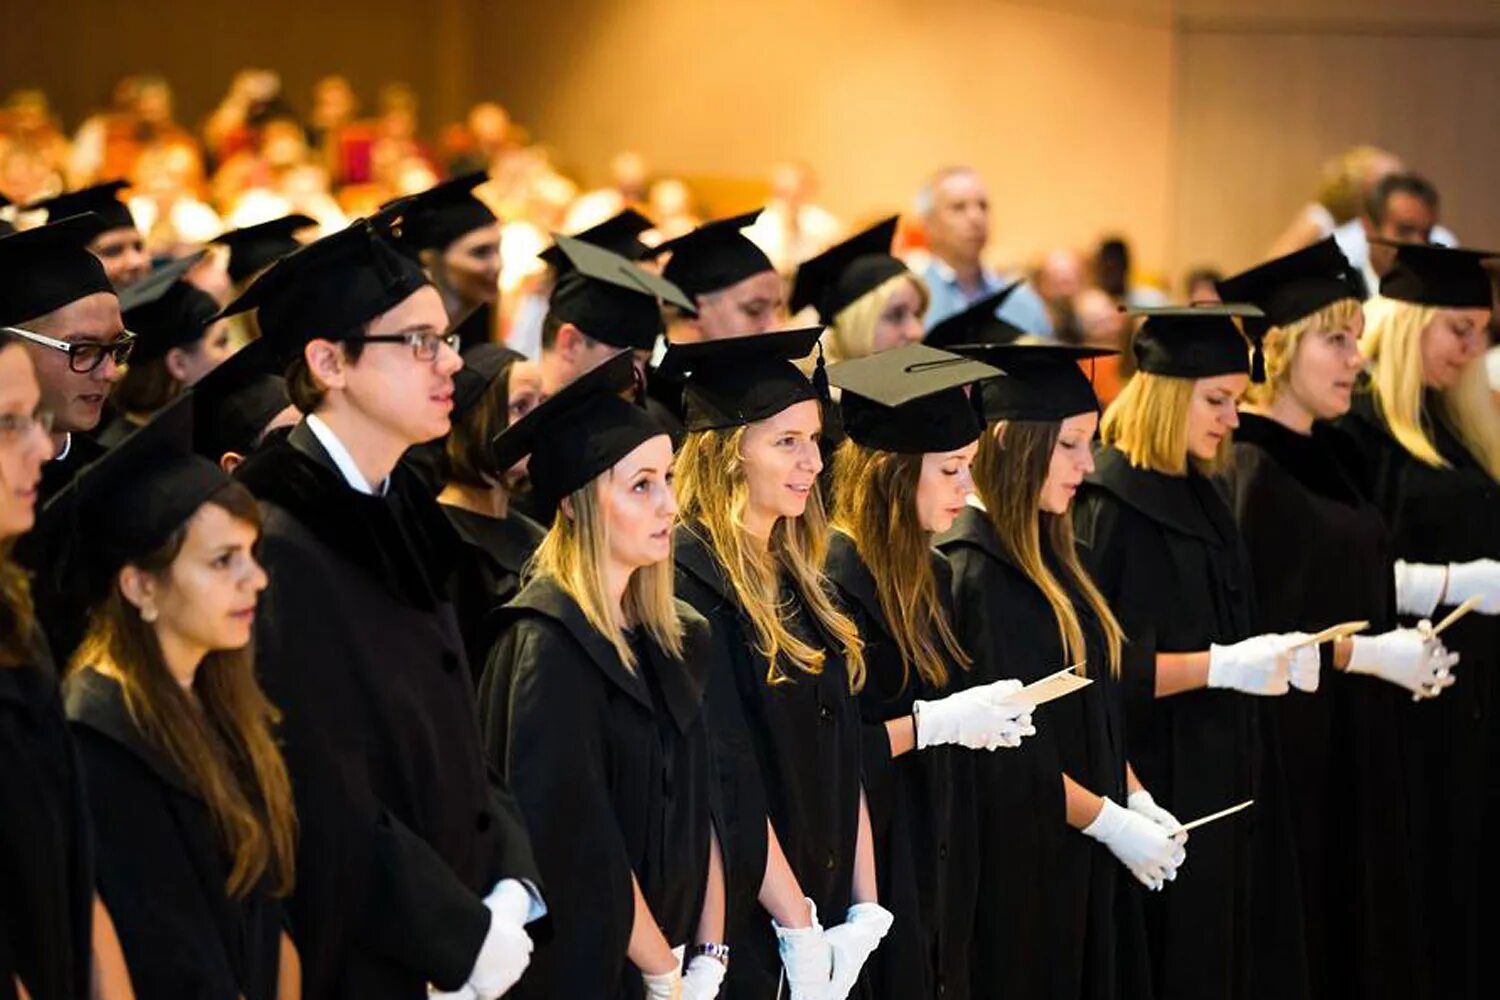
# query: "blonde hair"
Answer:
x=1147 y=422
x=876 y=506
x=851 y=333
x=573 y=553
x=1393 y=345
x=1281 y=344
x=713 y=494
x=1009 y=474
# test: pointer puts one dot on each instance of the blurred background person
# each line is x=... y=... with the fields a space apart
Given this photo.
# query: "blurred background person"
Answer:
x=791 y=227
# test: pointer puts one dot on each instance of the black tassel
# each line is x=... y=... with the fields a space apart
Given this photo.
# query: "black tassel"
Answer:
x=1257 y=365
x=820 y=378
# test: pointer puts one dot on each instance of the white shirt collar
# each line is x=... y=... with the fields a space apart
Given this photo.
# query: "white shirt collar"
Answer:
x=342 y=460
x=67 y=446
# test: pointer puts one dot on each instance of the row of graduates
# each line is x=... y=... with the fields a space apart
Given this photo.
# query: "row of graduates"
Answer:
x=782 y=730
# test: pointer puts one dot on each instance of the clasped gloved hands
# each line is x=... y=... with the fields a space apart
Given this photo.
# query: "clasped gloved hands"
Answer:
x=1421 y=587
x=1412 y=658
x=1146 y=838
x=979 y=718
x=1264 y=665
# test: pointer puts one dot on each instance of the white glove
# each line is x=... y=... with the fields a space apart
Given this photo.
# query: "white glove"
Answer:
x=666 y=986
x=506 y=951
x=806 y=958
x=853 y=941
x=1409 y=657
x=1140 y=844
x=978 y=718
x=1260 y=664
x=1306 y=666
x=1418 y=587
x=1140 y=801
x=1481 y=579
x=462 y=993
x=702 y=978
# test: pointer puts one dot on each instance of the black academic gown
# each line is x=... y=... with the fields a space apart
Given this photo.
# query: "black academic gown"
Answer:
x=1165 y=553
x=1319 y=555
x=488 y=572
x=790 y=751
x=61 y=609
x=59 y=472
x=402 y=830
x=163 y=867
x=1055 y=920
x=922 y=805
x=613 y=773
x=46 y=864
x=478 y=327
x=1442 y=515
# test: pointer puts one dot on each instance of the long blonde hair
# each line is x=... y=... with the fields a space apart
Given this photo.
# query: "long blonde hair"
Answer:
x=573 y=553
x=851 y=333
x=713 y=494
x=876 y=506
x=1009 y=474
x=1147 y=422
x=1281 y=343
x=1392 y=343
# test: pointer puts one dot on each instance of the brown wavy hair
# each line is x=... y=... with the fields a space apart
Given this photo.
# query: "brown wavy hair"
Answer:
x=17 y=618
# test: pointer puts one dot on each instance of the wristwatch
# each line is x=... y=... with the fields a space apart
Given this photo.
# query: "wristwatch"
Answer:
x=718 y=952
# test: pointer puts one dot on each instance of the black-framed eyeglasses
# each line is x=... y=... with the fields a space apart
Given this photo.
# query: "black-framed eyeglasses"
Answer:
x=424 y=346
x=83 y=356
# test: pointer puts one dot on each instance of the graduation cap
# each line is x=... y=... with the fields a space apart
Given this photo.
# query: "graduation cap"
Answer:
x=329 y=289
x=252 y=248
x=164 y=311
x=435 y=218
x=45 y=268
x=127 y=504
x=234 y=403
x=609 y=298
x=977 y=324
x=1042 y=383
x=102 y=200
x=714 y=256
x=910 y=399
x=618 y=234
x=739 y=380
x=576 y=435
x=483 y=363
x=5 y=226
x=843 y=273
x=1200 y=341
x=1453 y=277
x=1296 y=285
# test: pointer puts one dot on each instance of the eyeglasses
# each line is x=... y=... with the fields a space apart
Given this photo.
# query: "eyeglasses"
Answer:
x=424 y=346
x=83 y=357
x=15 y=426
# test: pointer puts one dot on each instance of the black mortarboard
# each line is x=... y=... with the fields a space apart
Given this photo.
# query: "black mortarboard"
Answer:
x=977 y=324
x=714 y=256
x=910 y=399
x=435 y=218
x=45 y=268
x=845 y=272
x=234 y=403
x=609 y=298
x=618 y=234
x=1042 y=382
x=1200 y=341
x=576 y=435
x=1297 y=285
x=102 y=200
x=254 y=247
x=1452 y=277
x=164 y=311
x=483 y=363
x=739 y=380
x=329 y=289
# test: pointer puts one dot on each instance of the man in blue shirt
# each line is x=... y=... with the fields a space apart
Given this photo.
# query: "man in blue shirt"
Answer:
x=955 y=209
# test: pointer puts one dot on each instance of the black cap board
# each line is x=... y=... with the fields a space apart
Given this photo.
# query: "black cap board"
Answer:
x=1200 y=341
x=483 y=363
x=976 y=324
x=740 y=380
x=253 y=248
x=164 y=311
x=235 y=403
x=1450 y=277
x=578 y=434
x=847 y=271
x=611 y=299
x=45 y=268
x=714 y=256
x=433 y=219
x=910 y=399
x=102 y=200
x=1296 y=285
x=619 y=234
x=1043 y=382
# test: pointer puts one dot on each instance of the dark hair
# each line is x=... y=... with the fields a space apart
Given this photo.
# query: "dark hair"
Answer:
x=304 y=390
x=1413 y=184
x=1112 y=265
x=467 y=457
x=146 y=387
x=550 y=326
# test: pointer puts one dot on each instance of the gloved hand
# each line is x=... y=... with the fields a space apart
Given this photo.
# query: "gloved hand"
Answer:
x=1260 y=665
x=1306 y=666
x=806 y=958
x=978 y=718
x=666 y=986
x=1418 y=587
x=702 y=978
x=1140 y=801
x=1479 y=578
x=853 y=941
x=1409 y=657
x=1140 y=844
x=462 y=993
x=506 y=951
